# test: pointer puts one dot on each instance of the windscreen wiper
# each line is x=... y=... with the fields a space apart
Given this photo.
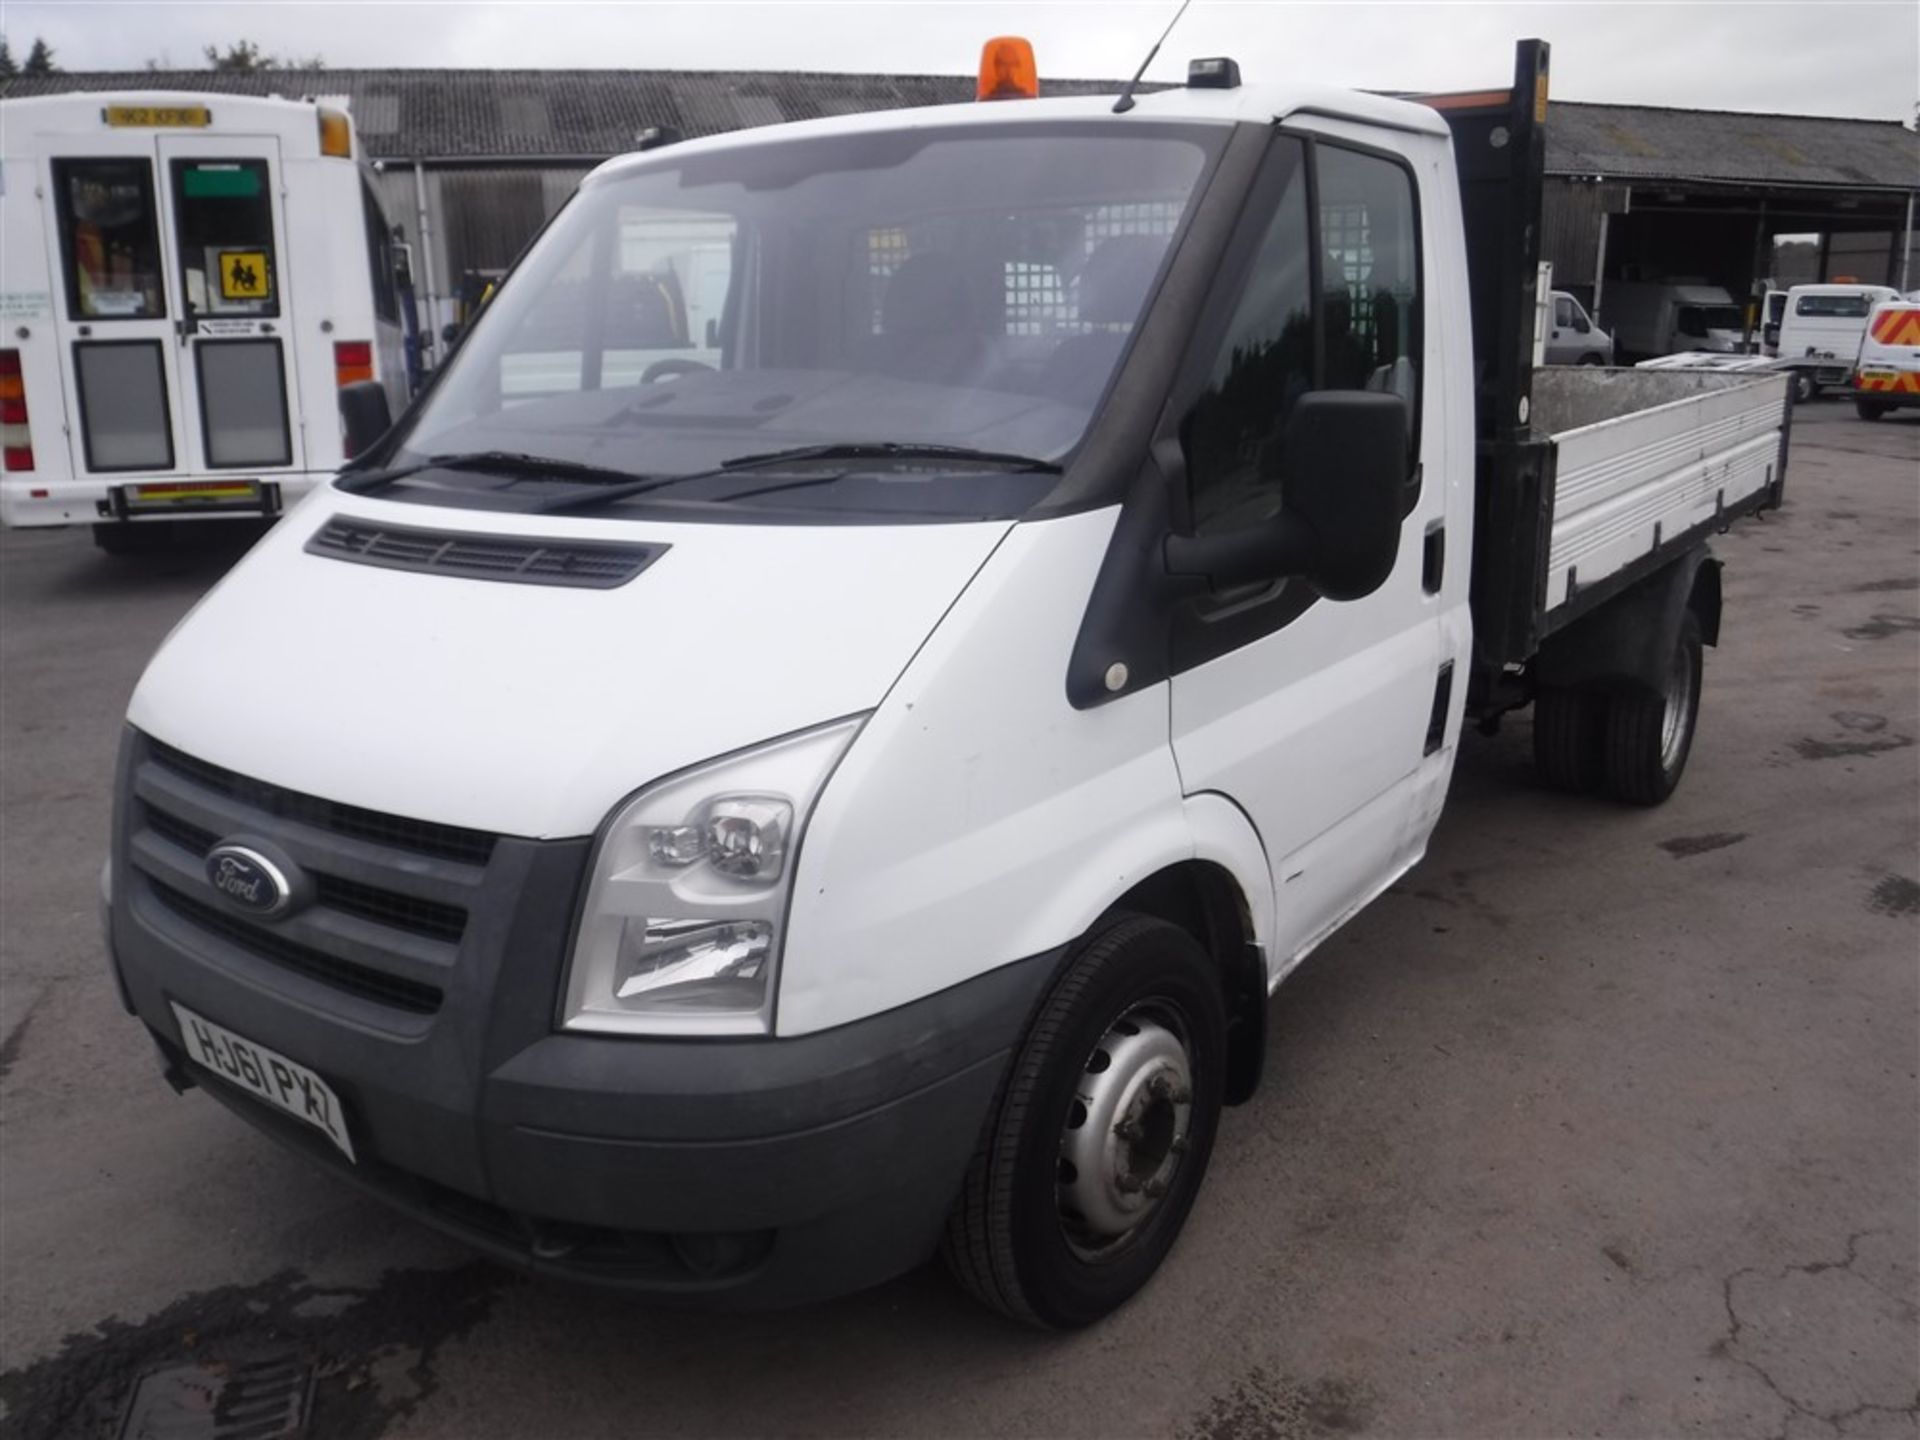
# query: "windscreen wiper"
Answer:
x=494 y=462
x=800 y=455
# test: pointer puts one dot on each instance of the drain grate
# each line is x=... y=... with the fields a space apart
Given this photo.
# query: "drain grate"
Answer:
x=263 y=1399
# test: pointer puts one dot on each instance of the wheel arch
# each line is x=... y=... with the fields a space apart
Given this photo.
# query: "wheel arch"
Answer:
x=1223 y=897
x=1628 y=641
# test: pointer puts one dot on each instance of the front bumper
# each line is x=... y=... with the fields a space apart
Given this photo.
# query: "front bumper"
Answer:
x=745 y=1171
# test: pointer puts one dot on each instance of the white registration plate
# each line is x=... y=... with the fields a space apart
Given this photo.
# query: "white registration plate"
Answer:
x=284 y=1084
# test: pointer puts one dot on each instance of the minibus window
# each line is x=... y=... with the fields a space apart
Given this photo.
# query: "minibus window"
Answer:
x=224 y=219
x=1833 y=307
x=109 y=242
x=386 y=298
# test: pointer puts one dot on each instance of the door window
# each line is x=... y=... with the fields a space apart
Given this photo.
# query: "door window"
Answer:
x=1263 y=363
x=223 y=214
x=1563 y=313
x=110 y=245
x=1366 y=312
x=243 y=403
x=123 y=405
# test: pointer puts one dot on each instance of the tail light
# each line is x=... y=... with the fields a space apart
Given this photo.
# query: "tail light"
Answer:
x=15 y=437
x=352 y=361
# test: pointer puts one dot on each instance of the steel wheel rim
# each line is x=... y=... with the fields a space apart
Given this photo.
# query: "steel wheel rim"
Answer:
x=1679 y=702
x=1127 y=1131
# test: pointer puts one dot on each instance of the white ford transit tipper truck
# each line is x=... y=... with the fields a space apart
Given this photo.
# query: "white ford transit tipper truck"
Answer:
x=736 y=831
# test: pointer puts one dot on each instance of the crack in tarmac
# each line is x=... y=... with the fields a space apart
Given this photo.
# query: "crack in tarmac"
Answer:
x=1725 y=1346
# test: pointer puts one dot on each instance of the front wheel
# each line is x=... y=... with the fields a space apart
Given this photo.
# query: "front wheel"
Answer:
x=1871 y=409
x=1650 y=735
x=1101 y=1133
x=1805 y=387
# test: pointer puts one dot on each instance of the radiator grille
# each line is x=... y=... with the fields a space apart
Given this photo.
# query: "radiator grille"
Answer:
x=355 y=979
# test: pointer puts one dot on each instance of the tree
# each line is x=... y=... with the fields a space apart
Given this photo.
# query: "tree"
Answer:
x=9 y=67
x=40 y=60
x=244 y=54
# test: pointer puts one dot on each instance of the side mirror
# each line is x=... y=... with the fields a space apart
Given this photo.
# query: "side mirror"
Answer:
x=364 y=416
x=403 y=267
x=450 y=331
x=1343 y=473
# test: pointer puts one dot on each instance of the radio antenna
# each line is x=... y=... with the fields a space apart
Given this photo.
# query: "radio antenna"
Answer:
x=1125 y=102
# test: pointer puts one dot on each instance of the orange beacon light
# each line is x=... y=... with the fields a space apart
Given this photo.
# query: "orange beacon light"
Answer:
x=1007 y=71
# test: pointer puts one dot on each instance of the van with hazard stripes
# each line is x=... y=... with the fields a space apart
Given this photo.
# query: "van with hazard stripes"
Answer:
x=1887 y=376
x=188 y=282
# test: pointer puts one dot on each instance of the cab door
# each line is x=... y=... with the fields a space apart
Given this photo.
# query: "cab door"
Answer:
x=1323 y=721
x=225 y=230
x=115 y=314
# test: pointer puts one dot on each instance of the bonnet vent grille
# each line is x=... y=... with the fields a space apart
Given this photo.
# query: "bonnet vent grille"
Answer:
x=519 y=560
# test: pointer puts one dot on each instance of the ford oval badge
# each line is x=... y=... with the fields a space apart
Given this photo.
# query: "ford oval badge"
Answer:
x=247 y=879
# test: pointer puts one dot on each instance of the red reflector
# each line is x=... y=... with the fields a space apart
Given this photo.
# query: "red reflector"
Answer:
x=36 y=493
x=9 y=362
x=348 y=353
x=13 y=410
x=19 y=457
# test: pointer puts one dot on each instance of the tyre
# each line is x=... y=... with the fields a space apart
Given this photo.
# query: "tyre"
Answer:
x=1650 y=735
x=1568 y=730
x=1101 y=1132
x=1870 y=409
x=1592 y=358
x=1805 y=387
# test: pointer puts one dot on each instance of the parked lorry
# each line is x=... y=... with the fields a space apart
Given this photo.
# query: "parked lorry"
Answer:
x=735 y=834
x=1822 y=331
x=1652 y=318
x=189 y=281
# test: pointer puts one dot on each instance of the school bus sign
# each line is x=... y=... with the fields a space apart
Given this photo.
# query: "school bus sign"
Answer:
x=244 y=276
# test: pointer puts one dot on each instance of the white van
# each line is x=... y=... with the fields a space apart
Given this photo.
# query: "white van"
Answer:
x=1821 y=332
x=1572 y=337
x=189 y=280
x=1652 y=318
x=736 y=833
x=1887 y=377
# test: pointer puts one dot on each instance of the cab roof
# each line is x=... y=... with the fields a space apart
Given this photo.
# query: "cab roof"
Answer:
x=1255 y=104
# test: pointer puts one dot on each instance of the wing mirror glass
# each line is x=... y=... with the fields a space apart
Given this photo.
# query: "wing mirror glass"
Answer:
x=364 y=415
x=1342 y=472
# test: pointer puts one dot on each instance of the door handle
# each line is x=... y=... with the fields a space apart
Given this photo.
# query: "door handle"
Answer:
x=1433 y=559
x=1437 y=721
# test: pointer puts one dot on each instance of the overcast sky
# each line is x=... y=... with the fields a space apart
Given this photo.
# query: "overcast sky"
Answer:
x=1827 y=57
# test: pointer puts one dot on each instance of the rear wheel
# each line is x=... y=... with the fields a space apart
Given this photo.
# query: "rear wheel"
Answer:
x=1101 y=1133
x=1870 y=409
x=1568 y=730
x=1592 y=357
x=1650 y=735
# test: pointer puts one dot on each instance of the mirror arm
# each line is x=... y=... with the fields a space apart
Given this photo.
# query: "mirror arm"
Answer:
x=1272 y=550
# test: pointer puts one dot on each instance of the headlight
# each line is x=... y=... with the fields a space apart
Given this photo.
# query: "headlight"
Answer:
x=680 y=934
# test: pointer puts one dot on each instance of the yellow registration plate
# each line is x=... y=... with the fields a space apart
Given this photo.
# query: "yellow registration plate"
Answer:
x=158 y=117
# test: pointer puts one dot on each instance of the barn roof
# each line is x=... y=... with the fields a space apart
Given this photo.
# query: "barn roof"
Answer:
x=452 y=115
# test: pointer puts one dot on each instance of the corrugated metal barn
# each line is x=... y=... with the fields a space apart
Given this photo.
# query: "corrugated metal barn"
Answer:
x=473 y=161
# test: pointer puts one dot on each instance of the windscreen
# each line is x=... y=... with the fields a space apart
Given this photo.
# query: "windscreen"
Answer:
x=1700 y=319
x=971 y=287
